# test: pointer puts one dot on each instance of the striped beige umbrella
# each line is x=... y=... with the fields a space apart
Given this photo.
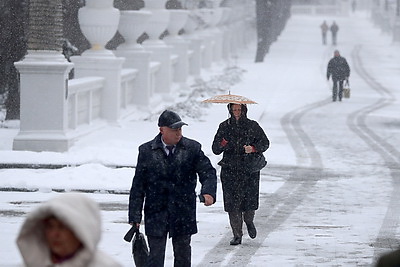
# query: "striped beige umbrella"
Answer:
x=234 y=99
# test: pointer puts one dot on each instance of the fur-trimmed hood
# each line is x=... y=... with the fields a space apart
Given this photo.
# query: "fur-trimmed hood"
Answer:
x=81 y=215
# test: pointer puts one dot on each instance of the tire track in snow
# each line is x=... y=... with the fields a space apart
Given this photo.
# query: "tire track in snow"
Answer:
x=391 y=156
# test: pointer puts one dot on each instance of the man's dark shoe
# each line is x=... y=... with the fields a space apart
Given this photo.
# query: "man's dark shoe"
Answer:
x=251 y=230
x=236 y=241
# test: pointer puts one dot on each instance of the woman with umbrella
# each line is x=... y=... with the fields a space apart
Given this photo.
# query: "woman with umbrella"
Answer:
x=242 y=142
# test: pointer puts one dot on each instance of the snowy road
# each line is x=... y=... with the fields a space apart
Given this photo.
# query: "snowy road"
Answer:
x=339 y=205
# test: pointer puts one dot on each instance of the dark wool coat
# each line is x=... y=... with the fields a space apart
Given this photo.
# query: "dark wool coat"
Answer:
x=167 y=187
x=338 y=68
x=240 y=187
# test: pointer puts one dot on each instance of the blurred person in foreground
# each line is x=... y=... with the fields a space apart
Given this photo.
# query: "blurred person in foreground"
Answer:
x=339 y=69
x=237 y=138
x=164 y=182
x=64 y=231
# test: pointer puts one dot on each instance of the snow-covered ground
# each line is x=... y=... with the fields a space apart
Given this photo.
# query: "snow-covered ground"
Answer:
x=328 y=195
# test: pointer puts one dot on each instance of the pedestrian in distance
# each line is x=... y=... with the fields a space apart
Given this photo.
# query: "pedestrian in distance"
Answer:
x=64 y=231
x=239 y=139
x=339 y=69
x=353 y=5
x=324 y=30
x=164 y=183
x=334 y=30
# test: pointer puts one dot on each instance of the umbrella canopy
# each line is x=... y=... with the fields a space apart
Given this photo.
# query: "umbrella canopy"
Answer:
x=234 y=99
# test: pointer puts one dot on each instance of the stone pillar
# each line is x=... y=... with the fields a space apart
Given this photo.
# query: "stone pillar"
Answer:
x=157 y=24
x=99 y=22
x=139 y=60
x=207 y=37
x=178 y=45
x=217 y=14
x=131 y=26
x=44 y=94
x=110 y=68
x=195 y=44
x=226 y=44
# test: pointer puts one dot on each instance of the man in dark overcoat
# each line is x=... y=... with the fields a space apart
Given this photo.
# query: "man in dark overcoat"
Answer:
x=339 y=69
x=164 y=182
x=239 y=139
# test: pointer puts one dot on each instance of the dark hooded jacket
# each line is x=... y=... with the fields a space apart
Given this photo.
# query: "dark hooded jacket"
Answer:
x=167 y=188
x=240 y=186
x=338 y=68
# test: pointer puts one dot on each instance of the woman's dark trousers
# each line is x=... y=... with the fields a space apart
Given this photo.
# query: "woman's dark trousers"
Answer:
x=236 y=219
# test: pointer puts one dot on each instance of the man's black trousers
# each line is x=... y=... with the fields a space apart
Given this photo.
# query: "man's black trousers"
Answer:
x=180 y=244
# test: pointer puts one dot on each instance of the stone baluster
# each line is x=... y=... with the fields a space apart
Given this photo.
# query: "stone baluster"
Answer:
x=216 y=17
x=44 y=98
x=195 y=43
x=161 y=52
x=132 y=25
x=179 y=45
x=226 y=44
x=205 y=15
x=99 y=22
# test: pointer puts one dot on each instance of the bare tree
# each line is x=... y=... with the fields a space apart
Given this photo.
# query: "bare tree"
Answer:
x=13 y=23
x=45 y=25
x=271 y=16
x=263 y=16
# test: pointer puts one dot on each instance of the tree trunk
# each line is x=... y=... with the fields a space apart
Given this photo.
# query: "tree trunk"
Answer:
x=45 y=25
x=13 y=24
x=13 y=101
x=263 y=28
x=271 y=16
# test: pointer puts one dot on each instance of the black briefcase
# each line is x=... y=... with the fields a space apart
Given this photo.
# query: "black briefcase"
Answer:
x=140 y=251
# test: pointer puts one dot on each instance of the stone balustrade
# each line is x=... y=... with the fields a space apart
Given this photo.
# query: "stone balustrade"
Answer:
x=111 y=84
x=84 y=101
